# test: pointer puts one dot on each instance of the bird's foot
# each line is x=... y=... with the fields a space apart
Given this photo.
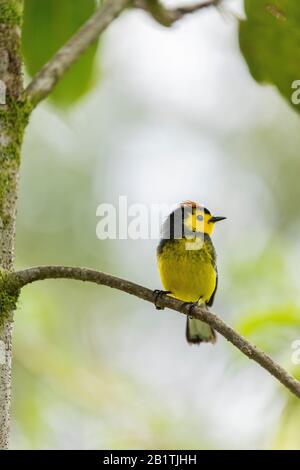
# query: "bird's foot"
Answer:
x=189 y=306
x=157 y=293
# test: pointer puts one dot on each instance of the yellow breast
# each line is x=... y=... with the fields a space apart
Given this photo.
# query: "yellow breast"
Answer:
x=188 y=274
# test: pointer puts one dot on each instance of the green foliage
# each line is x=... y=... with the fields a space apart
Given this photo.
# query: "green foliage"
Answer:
x=263 y=279
x=271 y=328
x=287 y=435
x=269 y=40
x=285 y=316
x=268 y=311
x=47 y=26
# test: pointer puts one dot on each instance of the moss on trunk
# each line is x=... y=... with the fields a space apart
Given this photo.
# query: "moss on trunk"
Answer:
x=13 y=119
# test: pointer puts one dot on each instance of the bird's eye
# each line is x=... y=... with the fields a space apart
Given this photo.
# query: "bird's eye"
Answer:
x=200 y=217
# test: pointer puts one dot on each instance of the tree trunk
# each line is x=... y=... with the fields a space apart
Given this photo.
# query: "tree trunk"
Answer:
x=13 y=119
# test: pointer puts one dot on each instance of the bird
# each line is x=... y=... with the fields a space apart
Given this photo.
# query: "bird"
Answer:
x=186 y=260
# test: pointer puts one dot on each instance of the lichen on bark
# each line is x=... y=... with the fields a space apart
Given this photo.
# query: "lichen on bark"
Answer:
x=9 y=294
x=13 y=119
x=11 y=12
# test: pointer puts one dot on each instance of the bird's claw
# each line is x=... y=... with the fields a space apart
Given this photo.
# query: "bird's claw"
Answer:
x=190 y=307
x=157 y=293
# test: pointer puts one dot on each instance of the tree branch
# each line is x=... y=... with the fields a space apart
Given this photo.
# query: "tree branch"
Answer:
x=168 y=16
x=45 y=80
x=27 y=276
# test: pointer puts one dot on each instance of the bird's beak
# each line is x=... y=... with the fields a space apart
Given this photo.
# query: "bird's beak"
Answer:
x=215 y=219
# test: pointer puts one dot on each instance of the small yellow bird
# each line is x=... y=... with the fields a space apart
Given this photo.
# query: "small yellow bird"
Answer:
x=187 y=262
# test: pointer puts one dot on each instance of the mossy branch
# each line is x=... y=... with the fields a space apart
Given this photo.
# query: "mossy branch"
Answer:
x=22 y=278
x=45 y=80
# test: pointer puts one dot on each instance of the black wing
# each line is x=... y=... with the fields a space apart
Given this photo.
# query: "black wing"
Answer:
x=211 y=300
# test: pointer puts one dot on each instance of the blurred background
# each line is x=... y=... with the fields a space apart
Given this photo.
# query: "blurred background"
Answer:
x=173 y=114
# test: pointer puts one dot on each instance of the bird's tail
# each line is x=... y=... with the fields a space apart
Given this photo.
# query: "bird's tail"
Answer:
x=198 y=331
